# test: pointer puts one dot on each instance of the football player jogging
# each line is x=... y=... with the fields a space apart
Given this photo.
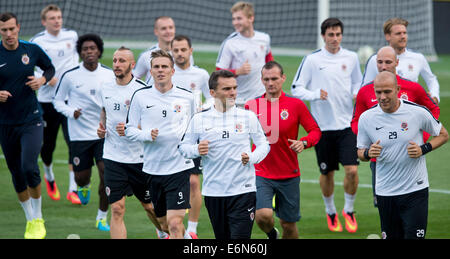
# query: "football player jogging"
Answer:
x=59 y=44
x=411 y=64
x=330 y=78
x=278 y=174
x=245 y=52
x=82 y=85
x=409 y=90
x=194 y=79
x=21 y=125
x=391 y=132
x=221 y=135
x=122 y=158
x=158 y=116
x=164 y=30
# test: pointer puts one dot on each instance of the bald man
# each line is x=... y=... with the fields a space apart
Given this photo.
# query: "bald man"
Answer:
x=391 y=131
x=123 y=158
x=411 y=91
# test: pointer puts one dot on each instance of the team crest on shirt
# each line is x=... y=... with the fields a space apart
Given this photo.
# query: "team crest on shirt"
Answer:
x=193 y=85
x=239 y=127
x=108 y=190
x=69 y=45
x=25 y=59
x=404 y=126
x=284 y=114
x=410 y=67
x=404 y=96
x=344 y=67
x=127 y=104
x=177 y=108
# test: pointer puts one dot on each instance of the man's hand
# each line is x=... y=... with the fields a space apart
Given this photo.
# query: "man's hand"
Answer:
x=35 y=83
x=154 y=134
x=375 y=150
x=245 y=158
x=296 y=145
x=77 y=113
x=53 y=81
x=414 y=150
x=101 y=131
x=4 y=96
x=120 y=128
x=245 y=69
x=323 y=94
x=435 y=99
x=203 y=147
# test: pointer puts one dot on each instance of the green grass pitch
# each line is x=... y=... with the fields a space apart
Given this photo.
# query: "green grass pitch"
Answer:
x=63 y=218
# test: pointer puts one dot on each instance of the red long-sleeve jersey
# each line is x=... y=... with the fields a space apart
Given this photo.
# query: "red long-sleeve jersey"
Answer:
x=281 y=120
x=409 y=90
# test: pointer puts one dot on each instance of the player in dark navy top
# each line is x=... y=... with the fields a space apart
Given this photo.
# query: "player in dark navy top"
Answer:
x=21 y=127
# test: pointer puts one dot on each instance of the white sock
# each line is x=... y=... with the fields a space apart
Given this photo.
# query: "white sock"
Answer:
x=49 y=173
x=101 y=214
x=28 y=209
x=349 y=202
x=192 y=227
x=72 y=183
x=330 y=208
x=161 y=234
x=186 y=235
x=37 y=207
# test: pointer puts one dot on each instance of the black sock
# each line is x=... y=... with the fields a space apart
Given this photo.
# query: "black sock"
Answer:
x=272 y=234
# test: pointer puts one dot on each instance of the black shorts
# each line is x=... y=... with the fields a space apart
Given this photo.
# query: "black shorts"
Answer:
x=83 y=153
x=336 y=147
x=125 y=180
x=404 y=216
x=197 y=169
x=170 y=192
x=21 y=145
x=232 y=217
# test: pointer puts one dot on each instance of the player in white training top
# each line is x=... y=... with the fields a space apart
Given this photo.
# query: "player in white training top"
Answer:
x=245 y=52
x=158 y=117
x=82 y=86
x=164 y=30
x=194 y=79
x=123 y=158
x=330 y=79
x=222 y=136
x=59 y=44
x=411 y=64
x=392 y=132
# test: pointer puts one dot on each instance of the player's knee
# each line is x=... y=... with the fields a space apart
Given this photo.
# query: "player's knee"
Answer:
x=194 y=183
x=148 y=207
x=288 y=227
x=351 y=173
x=117 y=210
x=264 y=216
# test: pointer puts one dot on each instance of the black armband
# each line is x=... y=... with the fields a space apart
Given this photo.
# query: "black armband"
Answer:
x=366 y=154
x=48 y=74
x=426 y=148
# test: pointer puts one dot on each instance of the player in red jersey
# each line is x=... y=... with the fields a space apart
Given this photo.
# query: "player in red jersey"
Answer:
x=278 y=174
x=387 y=61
